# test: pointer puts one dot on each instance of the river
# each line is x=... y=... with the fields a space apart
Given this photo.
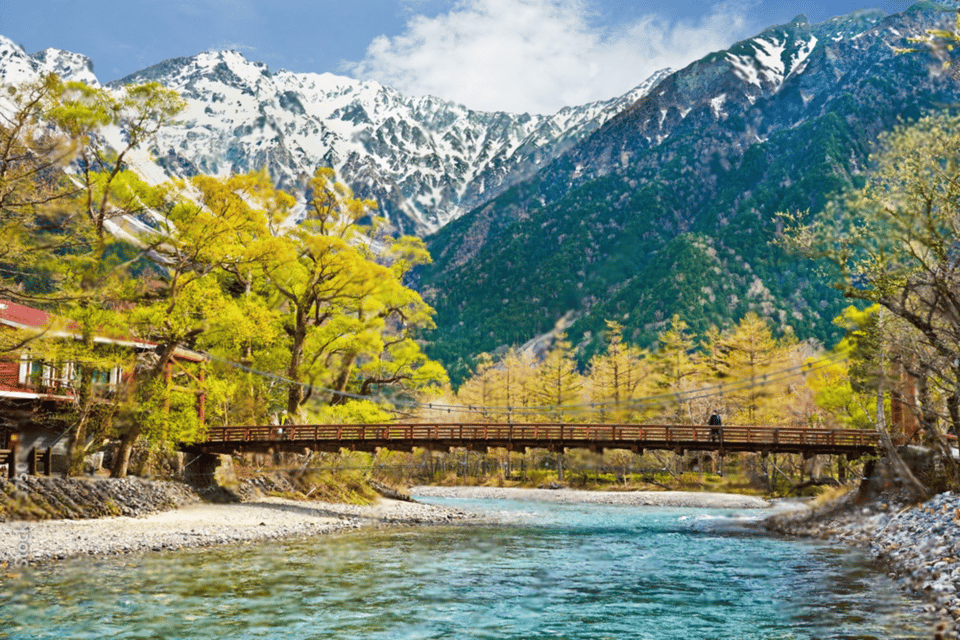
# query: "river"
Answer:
x=543 y=570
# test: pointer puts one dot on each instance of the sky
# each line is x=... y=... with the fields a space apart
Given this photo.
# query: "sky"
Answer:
x=533 y=56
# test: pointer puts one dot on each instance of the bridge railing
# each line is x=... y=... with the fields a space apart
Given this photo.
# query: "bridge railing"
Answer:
x=550 y=432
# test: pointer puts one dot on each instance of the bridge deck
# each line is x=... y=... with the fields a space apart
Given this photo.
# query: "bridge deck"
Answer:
x=518 y=437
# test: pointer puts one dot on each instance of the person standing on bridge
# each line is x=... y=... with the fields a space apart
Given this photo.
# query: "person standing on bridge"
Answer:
x=716 y=424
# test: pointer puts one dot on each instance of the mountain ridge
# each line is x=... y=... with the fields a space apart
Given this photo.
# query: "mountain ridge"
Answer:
x=425 y=160
x=669 y=206
x=657 y=202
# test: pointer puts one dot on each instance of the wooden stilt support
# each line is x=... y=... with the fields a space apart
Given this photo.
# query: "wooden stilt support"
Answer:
x=13 y=455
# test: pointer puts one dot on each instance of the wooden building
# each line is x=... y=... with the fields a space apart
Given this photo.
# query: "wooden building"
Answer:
x=36 y=393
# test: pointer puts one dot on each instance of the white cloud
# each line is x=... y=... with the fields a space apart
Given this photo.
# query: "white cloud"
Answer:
x=538 y=55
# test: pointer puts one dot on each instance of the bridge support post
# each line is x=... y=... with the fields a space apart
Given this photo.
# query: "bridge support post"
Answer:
x=212 y=471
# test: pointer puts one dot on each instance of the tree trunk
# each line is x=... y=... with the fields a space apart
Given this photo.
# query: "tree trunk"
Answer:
x=913 y=486
x=953 y=406
x=121 y=464
x=295 y=391
x=343 y=378
x=146 y=387
x=78 y=436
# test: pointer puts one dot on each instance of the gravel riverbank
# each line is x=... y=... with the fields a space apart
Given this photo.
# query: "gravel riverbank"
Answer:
x=204 y=524
x=643 y=498
x=198 y=524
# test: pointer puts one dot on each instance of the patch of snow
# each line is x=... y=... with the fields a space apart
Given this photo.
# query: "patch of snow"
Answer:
x=716 y=104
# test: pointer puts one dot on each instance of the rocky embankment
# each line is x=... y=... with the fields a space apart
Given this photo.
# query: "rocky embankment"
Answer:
x=919 y=544
x=42 y=498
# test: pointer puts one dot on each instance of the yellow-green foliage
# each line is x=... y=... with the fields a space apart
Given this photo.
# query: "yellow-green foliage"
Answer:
x=345 y=486
x=168 y=416
x=351 y=412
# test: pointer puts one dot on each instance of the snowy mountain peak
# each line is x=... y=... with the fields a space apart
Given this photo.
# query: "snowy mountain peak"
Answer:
x=768 y=59
x=17 y=67
x=424 y=159
x=67 y=65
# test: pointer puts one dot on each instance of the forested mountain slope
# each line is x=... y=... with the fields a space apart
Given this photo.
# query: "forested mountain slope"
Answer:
x=670 y=206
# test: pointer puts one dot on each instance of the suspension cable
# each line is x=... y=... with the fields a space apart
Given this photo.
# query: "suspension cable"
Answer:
x=652 y=401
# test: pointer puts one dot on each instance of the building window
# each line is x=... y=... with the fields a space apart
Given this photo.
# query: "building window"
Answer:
x=35 y=373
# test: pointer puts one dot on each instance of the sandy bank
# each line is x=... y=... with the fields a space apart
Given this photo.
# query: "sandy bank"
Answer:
x=643 y=498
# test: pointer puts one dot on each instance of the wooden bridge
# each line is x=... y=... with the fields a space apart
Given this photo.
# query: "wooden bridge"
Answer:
x=852 y=443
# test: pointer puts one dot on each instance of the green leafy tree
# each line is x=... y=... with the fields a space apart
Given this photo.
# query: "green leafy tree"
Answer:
x=61 y=185
x=351 y=323
x=201 y=237
x=894 y=240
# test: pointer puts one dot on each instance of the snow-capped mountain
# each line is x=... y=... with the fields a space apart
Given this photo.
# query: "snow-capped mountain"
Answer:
x=778 y=79
x=425 y=160
x=17 y=68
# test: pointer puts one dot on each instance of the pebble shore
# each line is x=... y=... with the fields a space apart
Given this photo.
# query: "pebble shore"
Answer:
x=691 y=499
x=918 y=544
x=202 y=525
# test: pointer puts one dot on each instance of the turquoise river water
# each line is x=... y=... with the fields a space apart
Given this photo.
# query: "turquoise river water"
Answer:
x=545 y=571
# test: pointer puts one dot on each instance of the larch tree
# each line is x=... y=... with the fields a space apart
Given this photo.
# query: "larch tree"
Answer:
x=479 y=393
x=502 y=387
x=749 y=355
x=517 y=372
x=617 y=376
x=674 y=368
x=559 y=383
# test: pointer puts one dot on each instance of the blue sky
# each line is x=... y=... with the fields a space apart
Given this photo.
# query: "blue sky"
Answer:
x=513 y=55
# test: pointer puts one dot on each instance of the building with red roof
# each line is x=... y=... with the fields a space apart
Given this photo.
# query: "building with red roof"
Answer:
x=32 y=389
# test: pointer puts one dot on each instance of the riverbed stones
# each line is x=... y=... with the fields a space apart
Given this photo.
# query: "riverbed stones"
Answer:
x=160 y=516
x=920 y=544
